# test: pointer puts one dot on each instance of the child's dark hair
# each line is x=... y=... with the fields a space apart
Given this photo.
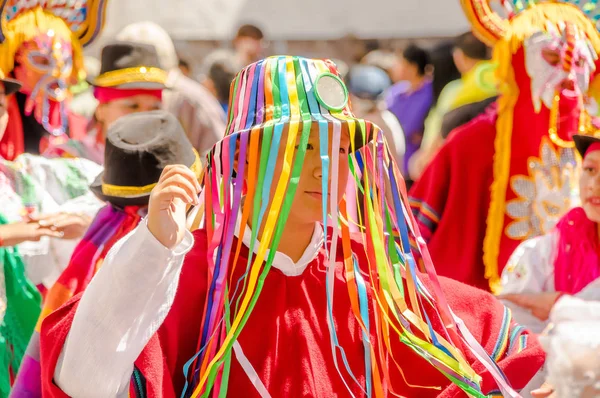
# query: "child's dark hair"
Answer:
x=472 y=47
x=417 y=56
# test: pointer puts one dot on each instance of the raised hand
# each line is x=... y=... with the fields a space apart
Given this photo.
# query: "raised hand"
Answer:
x=177 y=188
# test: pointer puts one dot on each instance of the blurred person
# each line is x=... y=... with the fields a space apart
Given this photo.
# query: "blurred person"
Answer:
x=138 y=147
x=42 y=47
x=477 y=84
x=248 y=46
x=196 y=108
x=32 y=244
x=510 y=174
x=563 y=261
x=367 y=85
x=385 y=60
x=218 y=81
x=130 y=80
x=184 y=67
x=446 y=83
x=411 y=98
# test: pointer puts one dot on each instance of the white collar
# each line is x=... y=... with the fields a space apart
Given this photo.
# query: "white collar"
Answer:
x=282 y=261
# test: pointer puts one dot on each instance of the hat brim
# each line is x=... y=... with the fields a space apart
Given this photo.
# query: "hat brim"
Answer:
x=96 y=188
x=361 y=138
x=11 y=86
x=134 y=85
x=583 y=142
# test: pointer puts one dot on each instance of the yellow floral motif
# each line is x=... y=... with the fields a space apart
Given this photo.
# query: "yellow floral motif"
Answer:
x=545 y=195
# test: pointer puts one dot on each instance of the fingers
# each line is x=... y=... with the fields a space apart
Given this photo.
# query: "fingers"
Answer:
x=53 y=219
x=177 y=180
x=168 y=194
x=69 y=220
x=542 y=392
x=181 y=170
x=48 y=232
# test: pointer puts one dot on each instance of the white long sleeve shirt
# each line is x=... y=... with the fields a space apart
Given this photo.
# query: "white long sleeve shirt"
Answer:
x=125 y=304
x=122 y=308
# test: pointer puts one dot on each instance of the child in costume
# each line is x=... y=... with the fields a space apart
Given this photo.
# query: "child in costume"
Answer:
x=139 y=146
x=130 y=80
x=566 y=259
x=271 y=295
x=41 y=46
x=510 y=174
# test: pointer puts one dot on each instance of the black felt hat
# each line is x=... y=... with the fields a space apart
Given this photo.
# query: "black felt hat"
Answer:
x=11 y=86
x=583 y=142
x=138 y=147
x=127 y=65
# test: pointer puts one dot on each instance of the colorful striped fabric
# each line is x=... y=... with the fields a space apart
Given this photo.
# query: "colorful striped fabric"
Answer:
x=503 y=340
x=426 y=217
x=108 y=227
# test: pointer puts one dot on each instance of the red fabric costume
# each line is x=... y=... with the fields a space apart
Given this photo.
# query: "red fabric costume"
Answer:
x=287 y=341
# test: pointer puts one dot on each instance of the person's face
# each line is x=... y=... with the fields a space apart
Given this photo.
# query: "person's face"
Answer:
x=405 y=70
x=395 y=70
x=251 y=48
x=307 y=202
x=109 y=112
x=589 y=186
x=459 y=60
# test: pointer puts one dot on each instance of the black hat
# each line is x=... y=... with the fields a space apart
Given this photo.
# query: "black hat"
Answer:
x=11 y=86
x=129 y=65
x=138 y=147
x=583 y=142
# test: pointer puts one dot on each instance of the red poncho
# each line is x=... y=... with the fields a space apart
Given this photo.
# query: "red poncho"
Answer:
x=287 y=340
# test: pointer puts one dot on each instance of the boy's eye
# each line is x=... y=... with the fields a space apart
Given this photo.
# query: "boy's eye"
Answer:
x=343 y=150
x=309 y=146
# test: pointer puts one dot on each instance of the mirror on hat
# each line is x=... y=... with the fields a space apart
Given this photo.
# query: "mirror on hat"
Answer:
x=331 y=92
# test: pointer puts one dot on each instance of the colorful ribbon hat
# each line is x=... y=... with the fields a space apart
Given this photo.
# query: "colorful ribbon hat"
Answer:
x=283 y=89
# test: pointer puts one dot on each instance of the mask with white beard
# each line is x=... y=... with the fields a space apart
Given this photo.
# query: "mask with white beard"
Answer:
x=546 y=55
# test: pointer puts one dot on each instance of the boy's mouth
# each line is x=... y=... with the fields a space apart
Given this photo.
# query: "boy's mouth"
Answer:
x=315 y=194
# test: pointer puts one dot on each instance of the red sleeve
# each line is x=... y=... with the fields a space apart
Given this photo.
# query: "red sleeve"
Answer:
x=53 y=335
x=428 y=195
x=517 y=352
